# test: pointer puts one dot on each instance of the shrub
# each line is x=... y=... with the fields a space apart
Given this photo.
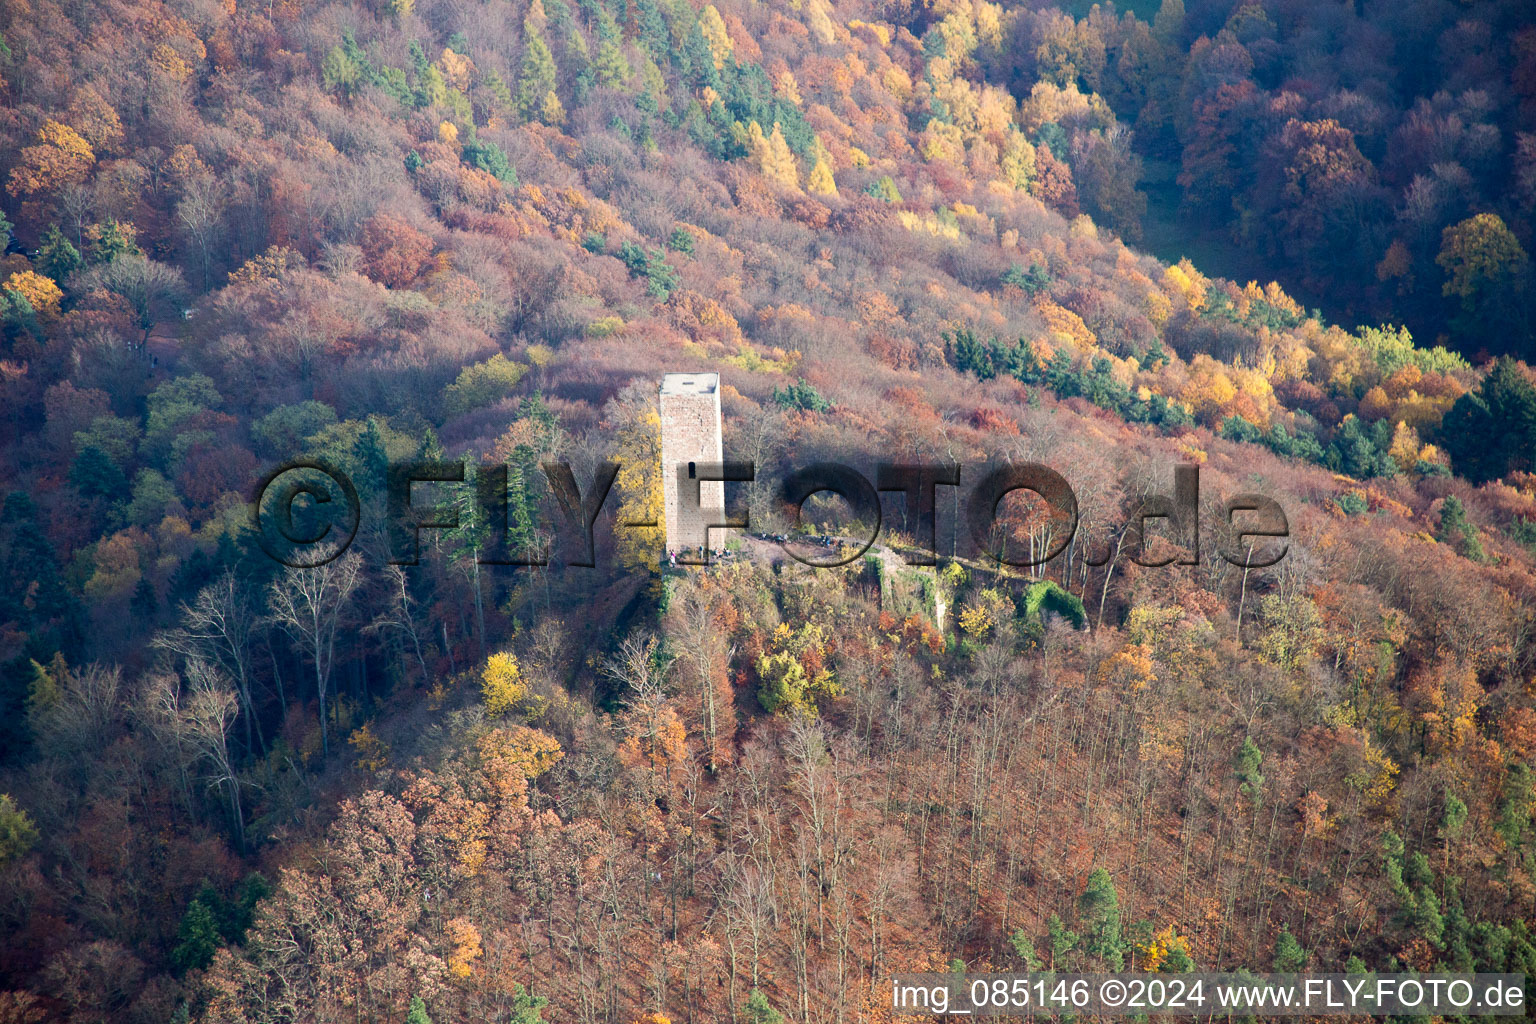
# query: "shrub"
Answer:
x=681 y=241
x=482 y=384
x=800 y=395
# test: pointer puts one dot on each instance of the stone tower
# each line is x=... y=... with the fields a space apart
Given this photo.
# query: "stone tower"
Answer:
x=690 y=436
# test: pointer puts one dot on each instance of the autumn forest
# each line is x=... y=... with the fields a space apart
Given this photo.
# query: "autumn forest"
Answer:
x=1287 y=242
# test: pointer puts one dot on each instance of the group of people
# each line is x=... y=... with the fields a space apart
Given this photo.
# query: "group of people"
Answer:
x=696 y=549
x=820 y=540
x=823 y=540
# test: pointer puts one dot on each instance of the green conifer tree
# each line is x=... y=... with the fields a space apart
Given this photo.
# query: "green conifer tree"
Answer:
x=1099 y=909
x=1457 y=531
x=1289 y=956
x=57 y=257
x=759 y=1011
x=537 y=77
x=197 y=938
x=1246 y=767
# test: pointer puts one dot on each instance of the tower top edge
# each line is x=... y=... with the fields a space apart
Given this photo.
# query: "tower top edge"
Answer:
x=690 y=384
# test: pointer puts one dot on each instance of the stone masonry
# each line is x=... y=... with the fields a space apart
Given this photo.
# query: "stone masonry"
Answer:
x=690 y=436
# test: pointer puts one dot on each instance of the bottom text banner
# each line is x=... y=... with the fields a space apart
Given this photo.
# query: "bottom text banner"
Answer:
x=1208 y=995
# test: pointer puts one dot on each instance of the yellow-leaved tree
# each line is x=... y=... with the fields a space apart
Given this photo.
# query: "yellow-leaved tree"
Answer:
x=501 y=684
x=39 y=291
x=510 y=758
x=772 y=155
x=640 y=497
x=467 y=946
x=1168 y=951
x=1018 y=161
x=712 y=26
x=59 y=157
x=552 y=111
x=1483 y=262
x=820 y=180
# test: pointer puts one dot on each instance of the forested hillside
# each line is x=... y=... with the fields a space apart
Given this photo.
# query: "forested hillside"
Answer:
x=251 y=232
x=1381 y=155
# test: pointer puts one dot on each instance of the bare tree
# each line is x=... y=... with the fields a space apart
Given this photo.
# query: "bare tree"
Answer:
x=308 y=604
x=200 y=720
x=636 y=666
x=152 y=289
x=758 y=439
x=76 y=206
x=305 y=336
x=81 y=714
x=400 y=615
x=217 y=628
x=199 y=212
x=749 y=905
x=699 y=635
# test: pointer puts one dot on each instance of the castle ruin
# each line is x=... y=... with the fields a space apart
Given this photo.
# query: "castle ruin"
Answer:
x=690 y=437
